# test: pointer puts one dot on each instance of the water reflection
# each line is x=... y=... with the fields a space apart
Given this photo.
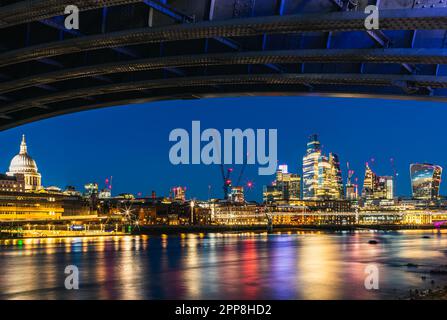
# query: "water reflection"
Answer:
x=287 y=265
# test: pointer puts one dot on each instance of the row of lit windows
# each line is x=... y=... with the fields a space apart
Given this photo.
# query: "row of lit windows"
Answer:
x=26 y=212
x=27 y=205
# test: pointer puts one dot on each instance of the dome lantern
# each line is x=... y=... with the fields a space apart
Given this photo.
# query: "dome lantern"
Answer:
x=23 y=148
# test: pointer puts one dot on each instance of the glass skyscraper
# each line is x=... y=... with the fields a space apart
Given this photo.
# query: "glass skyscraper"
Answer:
x=321 y=174
x=310 y=168
x=425 y=180
x=336 y=178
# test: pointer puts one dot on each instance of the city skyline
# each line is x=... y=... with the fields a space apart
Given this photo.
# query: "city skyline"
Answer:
x=107 y=149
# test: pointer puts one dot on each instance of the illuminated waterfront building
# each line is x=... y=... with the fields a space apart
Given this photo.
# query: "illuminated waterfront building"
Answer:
x=11 y=183
x=272 y=194
x=24 y=169
x=425 y=180
x=377 y=187
x=286 y=187
x=71 y=191
x=321 y=174
x=27 y=206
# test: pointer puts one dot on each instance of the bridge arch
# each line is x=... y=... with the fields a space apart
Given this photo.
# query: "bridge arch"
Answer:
x=130 y=51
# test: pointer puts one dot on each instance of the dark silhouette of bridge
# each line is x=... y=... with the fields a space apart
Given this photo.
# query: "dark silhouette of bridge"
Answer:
x=129 y=51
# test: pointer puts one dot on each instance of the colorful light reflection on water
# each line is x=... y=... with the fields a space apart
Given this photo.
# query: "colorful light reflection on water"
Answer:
x=288 y=265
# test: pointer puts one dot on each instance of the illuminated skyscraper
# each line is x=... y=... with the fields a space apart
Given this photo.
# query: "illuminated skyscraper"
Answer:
x=369 y=183
x=425 y=180
x=310 y=168
x=336 y=178
x=285 y=188
x=321 y=175
x=384 y=188
x=377 y=187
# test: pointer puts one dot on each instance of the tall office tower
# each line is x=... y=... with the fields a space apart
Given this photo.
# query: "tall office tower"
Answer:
x=324 y=186
x=425 y=180
x=336 y=178
x=321 y=174
x=377 y=187
x=369 y=183
x=310 y=168
x=286 y=187
x=384 y=188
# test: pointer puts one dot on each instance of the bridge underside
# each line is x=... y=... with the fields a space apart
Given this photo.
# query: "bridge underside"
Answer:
x=133 y=51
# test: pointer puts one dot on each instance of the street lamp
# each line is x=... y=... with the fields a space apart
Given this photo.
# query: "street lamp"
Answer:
x=192 y=212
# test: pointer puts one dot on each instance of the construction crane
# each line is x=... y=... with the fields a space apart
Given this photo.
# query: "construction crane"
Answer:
x=226 y=180
x=228 y=183
x=241 y=174
x=350 y=174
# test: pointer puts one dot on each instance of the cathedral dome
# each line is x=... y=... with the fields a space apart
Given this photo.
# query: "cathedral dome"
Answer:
x=22 y=163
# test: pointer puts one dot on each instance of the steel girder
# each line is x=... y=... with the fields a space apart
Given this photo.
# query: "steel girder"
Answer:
x=68 y=81
x=407 y=19
x=411 y=82
x=413 y=56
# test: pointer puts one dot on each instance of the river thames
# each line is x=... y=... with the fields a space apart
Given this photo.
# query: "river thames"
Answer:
x=286 y=265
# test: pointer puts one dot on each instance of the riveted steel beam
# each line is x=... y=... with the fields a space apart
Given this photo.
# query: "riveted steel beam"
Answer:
x=413 y=56
x=409 y=83
x=406 y=19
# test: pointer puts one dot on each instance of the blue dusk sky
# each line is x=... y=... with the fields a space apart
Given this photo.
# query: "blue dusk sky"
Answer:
x=131 y=143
